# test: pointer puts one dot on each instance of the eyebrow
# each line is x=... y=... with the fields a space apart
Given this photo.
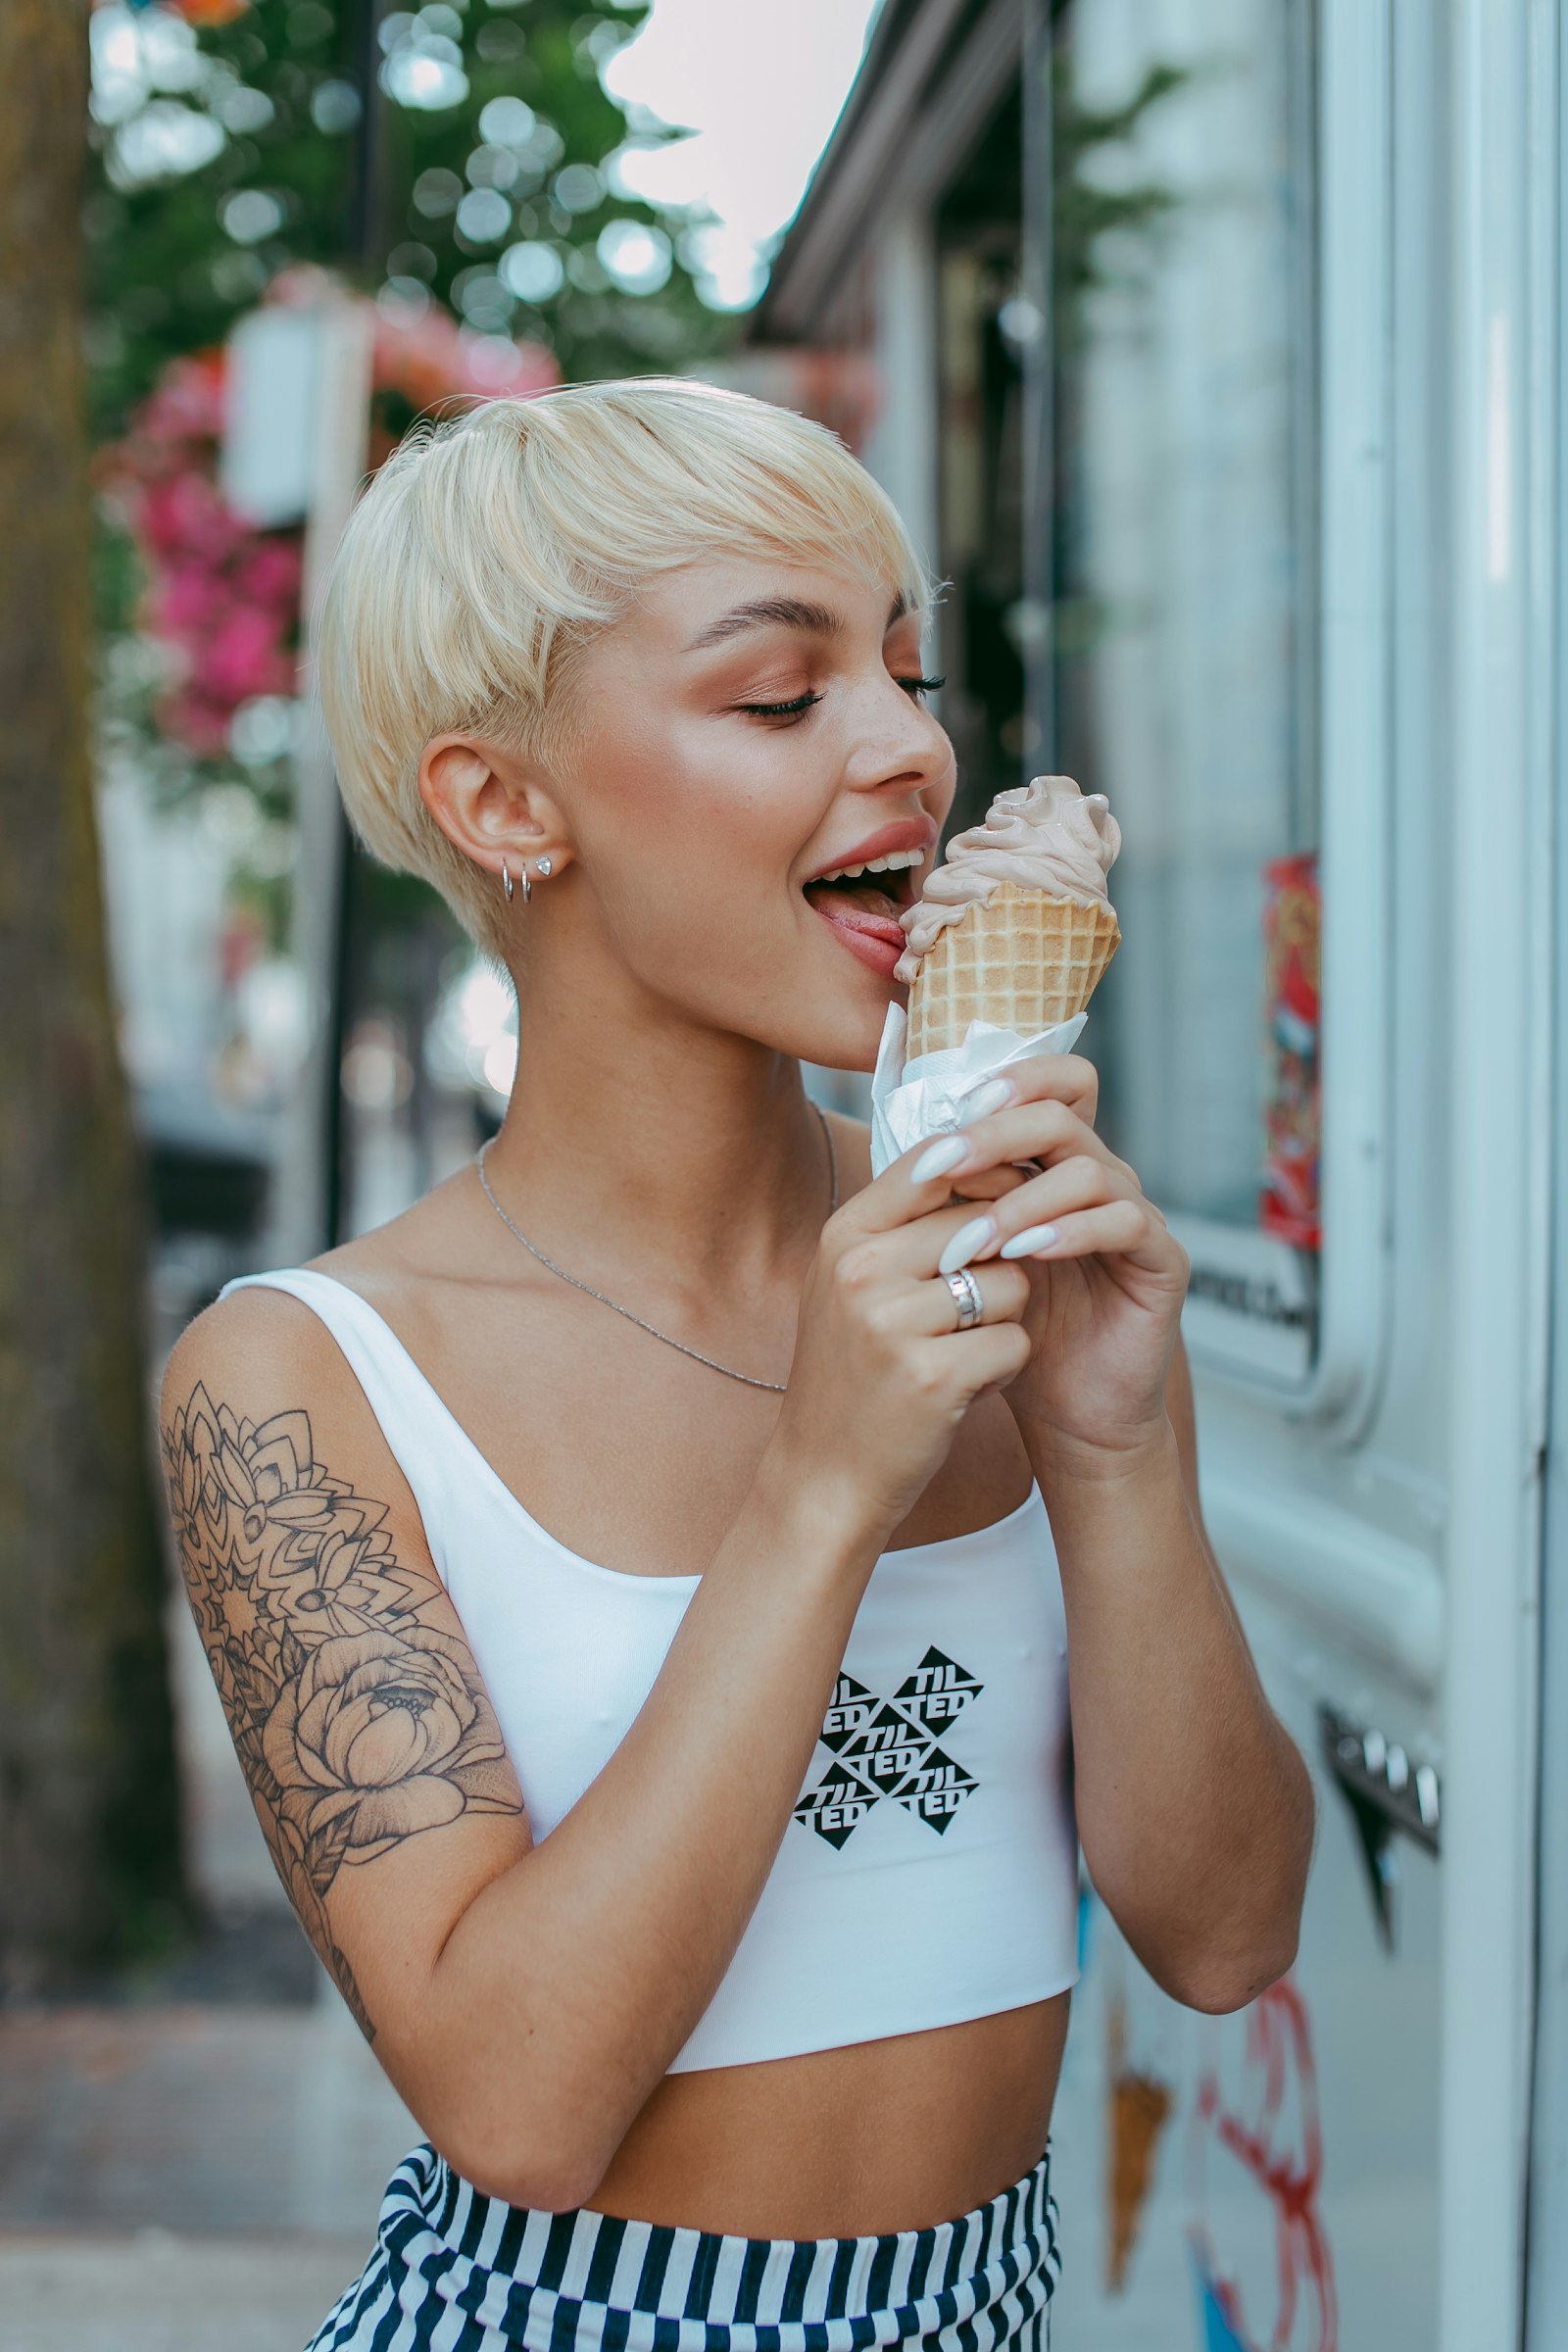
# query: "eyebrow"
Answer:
x=781 y=612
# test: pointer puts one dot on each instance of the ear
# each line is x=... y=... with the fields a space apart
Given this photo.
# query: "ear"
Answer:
x=492 y=804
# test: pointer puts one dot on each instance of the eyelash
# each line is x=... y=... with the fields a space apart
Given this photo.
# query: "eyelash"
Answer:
x=795 y=709
x=803 y=701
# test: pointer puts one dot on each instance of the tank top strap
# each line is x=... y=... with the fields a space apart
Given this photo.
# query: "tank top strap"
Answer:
x=420 y=1435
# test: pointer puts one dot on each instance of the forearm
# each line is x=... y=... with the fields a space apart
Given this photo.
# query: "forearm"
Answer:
x=1193 y=1809
x=572 y=1982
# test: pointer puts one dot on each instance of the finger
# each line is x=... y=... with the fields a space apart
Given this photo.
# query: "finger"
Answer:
x=1126 y=1228
x=987 y=1358
x=1043 y=1131
x=1080 y=1182
x=1063 y=1077
x=988 y=1184
x=913 y=1187
x=933 y=1308
x=941 y=1241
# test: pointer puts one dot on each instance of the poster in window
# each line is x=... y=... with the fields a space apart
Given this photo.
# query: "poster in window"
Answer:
x=1289 y=1205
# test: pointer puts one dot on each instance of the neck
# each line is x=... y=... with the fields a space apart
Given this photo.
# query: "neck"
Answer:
x=635 y=1136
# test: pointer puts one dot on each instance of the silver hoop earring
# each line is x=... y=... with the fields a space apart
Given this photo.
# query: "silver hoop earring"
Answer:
x=527 y=886
x=545 y=869
x=506 y=882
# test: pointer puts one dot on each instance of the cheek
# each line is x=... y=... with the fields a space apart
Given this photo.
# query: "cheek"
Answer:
x=698 y=800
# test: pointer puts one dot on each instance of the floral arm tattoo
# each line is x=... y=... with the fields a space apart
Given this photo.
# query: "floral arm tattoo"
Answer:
x=358 y=1723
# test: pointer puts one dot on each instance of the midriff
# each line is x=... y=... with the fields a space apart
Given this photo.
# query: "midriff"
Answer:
x=885 y=2136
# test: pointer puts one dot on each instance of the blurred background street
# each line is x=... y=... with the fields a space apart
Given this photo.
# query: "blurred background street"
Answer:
x=302 y=226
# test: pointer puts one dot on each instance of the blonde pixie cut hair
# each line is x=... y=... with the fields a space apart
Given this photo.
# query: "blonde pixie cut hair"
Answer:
x=492 y=547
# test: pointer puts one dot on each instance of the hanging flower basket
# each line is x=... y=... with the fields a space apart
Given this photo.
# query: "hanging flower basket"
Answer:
x=222 y=596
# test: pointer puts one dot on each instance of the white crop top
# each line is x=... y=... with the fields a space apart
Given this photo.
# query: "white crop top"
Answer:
x=929 y=1874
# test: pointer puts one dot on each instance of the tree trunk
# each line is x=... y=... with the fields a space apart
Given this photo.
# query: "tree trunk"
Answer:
x=89 y=1832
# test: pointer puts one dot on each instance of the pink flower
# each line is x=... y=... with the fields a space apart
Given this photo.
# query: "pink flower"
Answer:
x=268 y=572
x=243 y=657
x=224 y=597
x=182 y=601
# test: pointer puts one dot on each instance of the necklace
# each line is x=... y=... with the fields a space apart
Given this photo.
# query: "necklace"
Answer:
x=748 y=1379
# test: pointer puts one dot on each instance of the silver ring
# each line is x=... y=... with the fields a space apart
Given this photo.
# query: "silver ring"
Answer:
x=966 y=1298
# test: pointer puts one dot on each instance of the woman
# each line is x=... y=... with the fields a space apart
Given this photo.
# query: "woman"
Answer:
x=643 y=1613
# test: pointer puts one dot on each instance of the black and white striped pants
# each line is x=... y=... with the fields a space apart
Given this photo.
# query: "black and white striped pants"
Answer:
x=457 y=2272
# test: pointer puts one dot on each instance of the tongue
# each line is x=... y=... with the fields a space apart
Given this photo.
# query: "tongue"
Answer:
x=862 y=895
x=878 y=918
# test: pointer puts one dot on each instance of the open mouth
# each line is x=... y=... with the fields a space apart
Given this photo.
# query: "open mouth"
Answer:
x=863 y=903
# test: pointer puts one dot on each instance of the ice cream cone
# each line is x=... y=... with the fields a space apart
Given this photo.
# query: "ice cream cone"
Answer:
x=1022 y=959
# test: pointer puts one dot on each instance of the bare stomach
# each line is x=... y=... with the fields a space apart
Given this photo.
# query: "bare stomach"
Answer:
x=885 y=2136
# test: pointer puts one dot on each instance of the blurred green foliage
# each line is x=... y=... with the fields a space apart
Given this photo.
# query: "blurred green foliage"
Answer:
x=349 y=136
x=1102 y=229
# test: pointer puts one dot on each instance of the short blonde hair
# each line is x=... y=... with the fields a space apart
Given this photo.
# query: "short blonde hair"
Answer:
x=490 y=546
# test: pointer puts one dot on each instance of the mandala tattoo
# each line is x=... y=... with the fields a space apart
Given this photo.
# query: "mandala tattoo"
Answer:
x=358 y=1723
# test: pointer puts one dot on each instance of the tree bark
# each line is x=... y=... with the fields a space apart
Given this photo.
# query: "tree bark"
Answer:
x=89 y=1830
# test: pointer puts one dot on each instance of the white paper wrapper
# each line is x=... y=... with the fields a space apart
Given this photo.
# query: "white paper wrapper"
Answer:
x=930 y=1096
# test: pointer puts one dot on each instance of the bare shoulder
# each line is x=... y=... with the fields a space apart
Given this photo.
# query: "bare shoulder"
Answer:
x=256 y=1393
x=253 y=1335
x=262 y=1330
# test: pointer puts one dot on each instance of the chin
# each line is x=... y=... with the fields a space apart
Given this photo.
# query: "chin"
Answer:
x=844 y=1032
x=828 y=1008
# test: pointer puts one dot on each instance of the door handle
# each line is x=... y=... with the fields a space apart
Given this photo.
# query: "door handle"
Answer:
x=1388 y=1795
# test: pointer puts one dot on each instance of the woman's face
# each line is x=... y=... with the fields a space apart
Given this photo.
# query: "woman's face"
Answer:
x=749 y=730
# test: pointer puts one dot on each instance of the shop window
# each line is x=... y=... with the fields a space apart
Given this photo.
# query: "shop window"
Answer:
x=983 y=464
x=1174 y=575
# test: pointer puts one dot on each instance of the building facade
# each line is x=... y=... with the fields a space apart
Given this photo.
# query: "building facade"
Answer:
x=1213 y=349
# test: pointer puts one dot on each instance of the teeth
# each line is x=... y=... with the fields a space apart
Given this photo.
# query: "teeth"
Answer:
x=893 y=862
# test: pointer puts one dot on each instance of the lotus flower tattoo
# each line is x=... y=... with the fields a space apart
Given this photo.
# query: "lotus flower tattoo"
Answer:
x=358 y=1722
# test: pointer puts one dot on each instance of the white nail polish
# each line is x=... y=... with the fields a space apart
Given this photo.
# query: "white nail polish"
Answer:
x=1025 y=1244
x=940 y=1159
x=965 y=1242
x=986 y=1098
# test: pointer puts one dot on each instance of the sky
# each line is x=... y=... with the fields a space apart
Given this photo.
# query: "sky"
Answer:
x=760 y=85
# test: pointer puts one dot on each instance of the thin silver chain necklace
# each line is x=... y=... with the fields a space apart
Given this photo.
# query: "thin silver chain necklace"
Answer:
x=748 y=1379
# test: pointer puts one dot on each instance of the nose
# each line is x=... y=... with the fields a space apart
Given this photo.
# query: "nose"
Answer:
x=897 y=741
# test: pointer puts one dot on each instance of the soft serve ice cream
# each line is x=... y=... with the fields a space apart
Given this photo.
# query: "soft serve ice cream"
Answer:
x=1045 y=836
x=1004 y=949
x=1015 y=928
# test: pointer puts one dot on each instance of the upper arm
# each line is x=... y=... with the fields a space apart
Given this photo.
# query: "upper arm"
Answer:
x=375 y=1759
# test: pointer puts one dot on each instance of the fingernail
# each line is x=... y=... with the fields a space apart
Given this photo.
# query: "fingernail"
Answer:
x=966 y=1243
x=986 y=1098
x=940 y=1159
x=1025 y=1244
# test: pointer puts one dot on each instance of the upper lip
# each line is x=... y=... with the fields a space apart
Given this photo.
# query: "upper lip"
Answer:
x=903 y=833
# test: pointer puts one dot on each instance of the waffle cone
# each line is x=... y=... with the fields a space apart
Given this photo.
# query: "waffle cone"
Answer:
x=1022 y=959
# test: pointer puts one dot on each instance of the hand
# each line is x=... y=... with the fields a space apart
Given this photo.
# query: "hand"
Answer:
x=1106 y=1279
x=882 y=1376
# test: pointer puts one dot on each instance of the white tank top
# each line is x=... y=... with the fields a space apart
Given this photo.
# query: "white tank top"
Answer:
x=929 y=1873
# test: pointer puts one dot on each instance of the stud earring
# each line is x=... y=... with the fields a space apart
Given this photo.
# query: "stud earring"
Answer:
x=506 y=881
x=546 y=868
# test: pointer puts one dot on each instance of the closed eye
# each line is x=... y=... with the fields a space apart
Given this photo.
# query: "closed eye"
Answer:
x=802 y=703
x=791 y=709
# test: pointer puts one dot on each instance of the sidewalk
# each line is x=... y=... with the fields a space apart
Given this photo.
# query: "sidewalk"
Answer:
x=193 y=2173
x=156 y=2292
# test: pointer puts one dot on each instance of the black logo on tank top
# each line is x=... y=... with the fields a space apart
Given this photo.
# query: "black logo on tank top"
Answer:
x=885 y=1747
